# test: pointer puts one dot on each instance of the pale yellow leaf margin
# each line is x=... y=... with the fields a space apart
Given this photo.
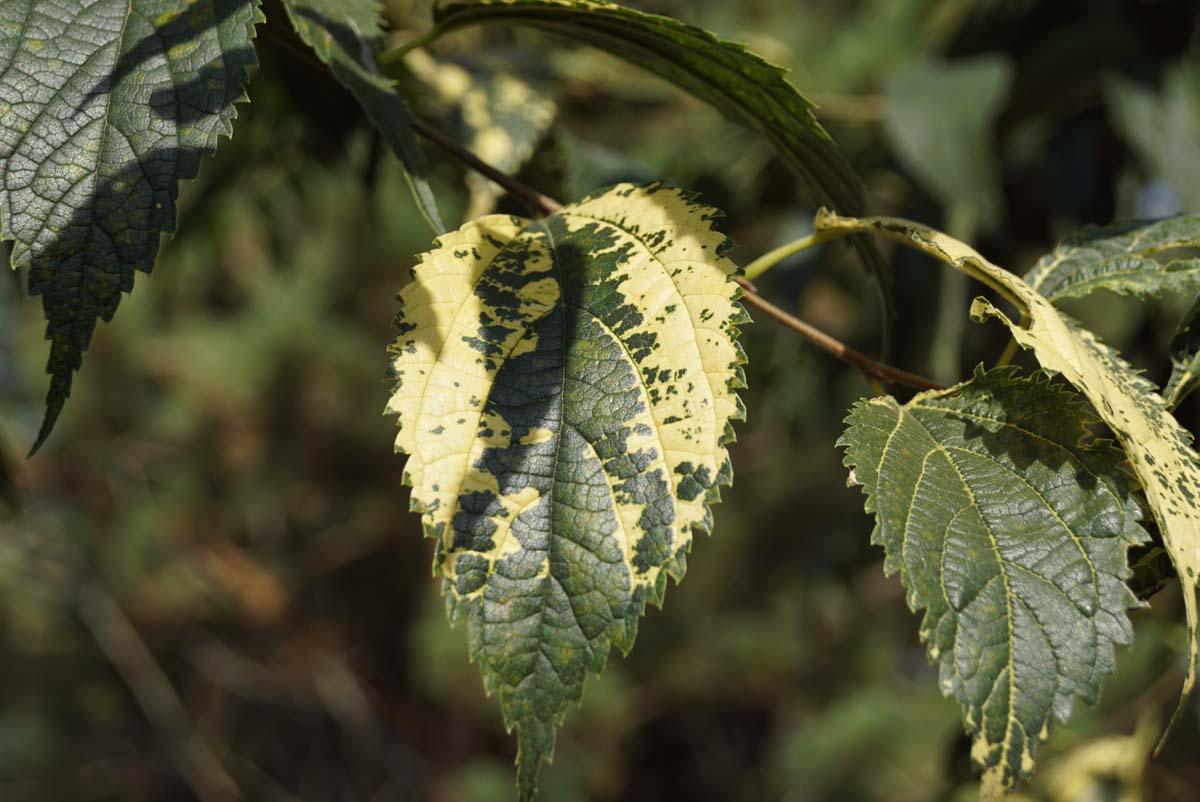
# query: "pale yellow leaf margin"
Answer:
x=1159 y=449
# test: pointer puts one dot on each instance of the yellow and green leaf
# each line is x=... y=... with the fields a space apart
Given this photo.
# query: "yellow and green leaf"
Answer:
x=1140 y=259
x=497 y=114
x=726 y=75
x=1159 y=449
x=565 y=392
x=1010 y=530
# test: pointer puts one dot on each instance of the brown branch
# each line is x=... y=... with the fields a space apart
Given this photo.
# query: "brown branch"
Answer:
x=129 y=655
x=544 y=204
x=536 y=201
x=870 y=368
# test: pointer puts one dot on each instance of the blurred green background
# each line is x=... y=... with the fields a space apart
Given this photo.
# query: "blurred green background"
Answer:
x=209 y=577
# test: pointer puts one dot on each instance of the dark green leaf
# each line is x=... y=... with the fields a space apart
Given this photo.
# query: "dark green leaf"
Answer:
x=1011 y=532
x=1185 y=358
x=104 y=107
x=345 y=34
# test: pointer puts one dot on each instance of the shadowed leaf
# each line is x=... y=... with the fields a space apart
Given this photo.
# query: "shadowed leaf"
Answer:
x=734 y=80
x=104 y=107
x=1159 y=449
x=565 y=394
x=345 y=35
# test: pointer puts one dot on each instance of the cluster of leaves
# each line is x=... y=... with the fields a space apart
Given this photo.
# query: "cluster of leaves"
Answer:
x=565 y=386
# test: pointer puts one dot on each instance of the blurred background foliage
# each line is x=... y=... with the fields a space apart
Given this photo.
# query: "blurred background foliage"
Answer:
x=210 y=585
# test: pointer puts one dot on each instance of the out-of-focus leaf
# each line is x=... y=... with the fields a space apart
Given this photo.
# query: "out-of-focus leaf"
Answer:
x=105 y=106
x=499 y=116
x=1109 y=769
x=345 y=35
x=1163 y=128
x=1011 y=533
x=726 y=75
x=589 y=167
x=1122 y=259
x=940 y=118
x=566 y=390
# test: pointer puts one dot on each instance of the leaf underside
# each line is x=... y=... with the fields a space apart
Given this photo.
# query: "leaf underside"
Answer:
x=345 y=34
x=1012 y=535
x=1127 y=258
x=104 y=107
x=727 y=76
x=565 y=394
x=1159 y=449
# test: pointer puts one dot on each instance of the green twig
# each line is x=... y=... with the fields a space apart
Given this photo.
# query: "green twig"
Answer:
x=872 y=370
x=945 y=353
x=771 y=258
x=1013 y=346
x=394 y=55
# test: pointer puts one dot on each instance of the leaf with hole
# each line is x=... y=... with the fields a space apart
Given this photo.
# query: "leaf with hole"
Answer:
x=105 y=107
x=565 y=392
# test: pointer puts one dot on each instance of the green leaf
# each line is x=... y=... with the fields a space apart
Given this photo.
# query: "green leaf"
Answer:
x=499 y=116
x=1011 y=533
x=1159 y=449
x=104 y=107
x=940 y=118
x=1126 y=258
x=1163 y=128
x=1150 y=569
x=726 y=75
x=1185 y=358
x=345 y=34
x=565 y=394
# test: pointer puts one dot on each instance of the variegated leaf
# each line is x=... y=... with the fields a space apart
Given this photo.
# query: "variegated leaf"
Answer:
x=1011 y=531
x=726 y=75
x=1136 y=258
x=565 y=394
x=1159 y=449
x=498 y=115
